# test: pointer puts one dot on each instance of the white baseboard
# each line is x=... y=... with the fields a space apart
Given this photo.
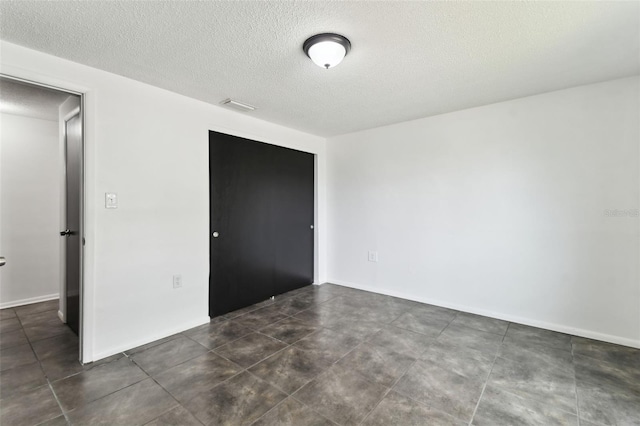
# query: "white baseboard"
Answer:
x=97 y=356
x=29 y=301
x=61 y=316
x=519 y=320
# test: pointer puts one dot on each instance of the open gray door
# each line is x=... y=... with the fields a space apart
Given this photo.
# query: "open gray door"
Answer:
x=72 y=233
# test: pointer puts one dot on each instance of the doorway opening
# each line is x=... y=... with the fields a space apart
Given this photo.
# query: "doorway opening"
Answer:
x=41 y=214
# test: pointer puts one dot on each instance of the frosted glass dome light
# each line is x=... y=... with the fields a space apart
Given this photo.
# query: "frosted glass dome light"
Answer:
x=326 y=50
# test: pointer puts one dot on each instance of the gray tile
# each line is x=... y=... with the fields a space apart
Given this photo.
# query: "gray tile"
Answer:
x=58 y=421
x=61 y=364
x=261 y=318
x=43 y=330
x=29 y=407
x=466 y=362
x=378 y=364
x=161 y=357
x=291 y=368
x=97 y=382
x=342 y=396
x=239 y=312
x=21 y=378
x=16 y=356
x=178 y=416
x=12 y=338
x=296 y=304
x=402 y=341
x=396 y=409
x=34 y=308
x=292 y=413
x=150 y=345
x=441 y=389
x=536 y=380
x=319 y=316
x=584 y=422
x=10 y=324
x=39 y=317
x=185 y=381
x=433 y=312
x=240 y=400
x=288 y=330
x=65 y=364
x=357 y=328
x=381 y=314
x=608 y=407
x=215 y=335
x=329 y=344
x=593 y=373
x=67 y=342
x=615 y=354
x=540 y=354
x=481 y=323
x=134 y=405
x=7 y=313
x=421 y=322
x=471 y=338
x=503 y=408
x=250 y=349
x=518 y=333
x=312 y=296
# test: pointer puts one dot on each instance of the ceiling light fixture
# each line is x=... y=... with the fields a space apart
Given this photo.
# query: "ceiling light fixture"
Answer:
x=327 y=50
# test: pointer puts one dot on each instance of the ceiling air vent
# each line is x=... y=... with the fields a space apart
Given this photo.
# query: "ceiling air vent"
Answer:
x=237 y=105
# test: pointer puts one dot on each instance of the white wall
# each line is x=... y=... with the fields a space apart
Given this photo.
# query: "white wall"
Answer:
x=499 y=210
x=29 y=210
x=149 y=146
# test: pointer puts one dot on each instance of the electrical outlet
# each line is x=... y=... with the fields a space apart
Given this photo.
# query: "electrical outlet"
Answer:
x=373 y=256
x=177 y=281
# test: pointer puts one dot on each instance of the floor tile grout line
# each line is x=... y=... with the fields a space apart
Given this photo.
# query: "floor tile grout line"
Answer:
x=390 y=388
x=575 y=382
x=103 y=396
x=271 y=409
x=174 y=398
x=314 y=410
x=44 y=373
x=484 y=387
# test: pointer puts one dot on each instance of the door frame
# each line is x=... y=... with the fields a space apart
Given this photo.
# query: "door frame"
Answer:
x=85 y=337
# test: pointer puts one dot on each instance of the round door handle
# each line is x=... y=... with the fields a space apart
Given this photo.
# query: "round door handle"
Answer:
x=215 y=235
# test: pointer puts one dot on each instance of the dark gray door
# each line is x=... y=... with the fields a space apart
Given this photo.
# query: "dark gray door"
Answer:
x=73 y=236
x=262 y=208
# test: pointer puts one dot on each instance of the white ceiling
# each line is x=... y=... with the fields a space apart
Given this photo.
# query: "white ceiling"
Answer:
x=28 y=100
x=409 y=59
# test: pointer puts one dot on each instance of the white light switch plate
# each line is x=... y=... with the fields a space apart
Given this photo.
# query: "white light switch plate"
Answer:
x=110 y=200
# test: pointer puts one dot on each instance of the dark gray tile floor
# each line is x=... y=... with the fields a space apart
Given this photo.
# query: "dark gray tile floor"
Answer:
x=320 y=355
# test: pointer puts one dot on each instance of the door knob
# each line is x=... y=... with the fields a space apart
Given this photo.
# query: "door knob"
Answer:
x=2 y=261
x=215 y=234
x=66 y=232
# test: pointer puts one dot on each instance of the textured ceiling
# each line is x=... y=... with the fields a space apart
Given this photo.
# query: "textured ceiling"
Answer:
x=28 y=100
x=409 y=59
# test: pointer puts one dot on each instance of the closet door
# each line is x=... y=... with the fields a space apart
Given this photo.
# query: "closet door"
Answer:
x=261 y=217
